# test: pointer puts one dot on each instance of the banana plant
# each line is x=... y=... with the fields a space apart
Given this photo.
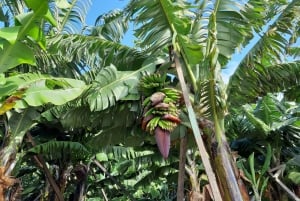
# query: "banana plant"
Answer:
x=200 y=67
x=22 y=94
x=259 y=183
x=203 y=35
x=25 y=92
x=203 y=41
x=271 y=125
x=199 y=37
x=14 y=48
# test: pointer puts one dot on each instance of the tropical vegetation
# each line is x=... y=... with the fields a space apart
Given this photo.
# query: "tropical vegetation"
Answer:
x=86 y=117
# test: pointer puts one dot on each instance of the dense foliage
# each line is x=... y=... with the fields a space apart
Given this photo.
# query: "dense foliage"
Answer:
x=85 y=117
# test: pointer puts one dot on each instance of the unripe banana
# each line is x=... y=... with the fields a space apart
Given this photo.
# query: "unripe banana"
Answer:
x=152 y=124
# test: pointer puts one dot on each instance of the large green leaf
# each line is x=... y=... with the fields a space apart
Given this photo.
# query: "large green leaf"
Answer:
x=20 y=123
x=118 y=135
x=36 y=96
x=131 y=167
x=95 y=52
x=156 y=19
x=111 y=86
x=15 y=54
x=248 y=84
x=71 y=15
x=115 y=125
x=274 y=32
x=120 y=152
x=31 y=30
x=31 y=21
x=264 y=67
x=41 y=8
x=63 y=150
x=10 y=33
x=232 y=28
x=258 y=123
x=269 y=121
x=73 y=115
x=27 y=25
x=111 y=26
x=41 y=89
x=294 y=177
x=268 y=110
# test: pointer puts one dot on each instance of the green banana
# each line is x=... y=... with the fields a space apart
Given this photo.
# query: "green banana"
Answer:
x=146 y=102
x=152 y=124
x=161 y=109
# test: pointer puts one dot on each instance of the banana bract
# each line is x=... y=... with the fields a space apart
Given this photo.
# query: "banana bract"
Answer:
x=162 y=138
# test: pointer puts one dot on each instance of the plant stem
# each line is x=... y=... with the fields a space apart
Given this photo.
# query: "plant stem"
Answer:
x=104 y=194
x=275 y=176
x=192 y=117
x=40 y=160
x=181 y=174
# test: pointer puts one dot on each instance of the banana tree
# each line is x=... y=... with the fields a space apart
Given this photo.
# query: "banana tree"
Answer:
x=178 y=29
x=199 y=37
x=270 y=125
x=22 y=94
x=194 y=44
x=26 y=92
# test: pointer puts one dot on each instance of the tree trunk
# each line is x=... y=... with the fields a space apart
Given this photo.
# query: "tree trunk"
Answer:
x=226 y=171
x=64 y=172
x=197 y=133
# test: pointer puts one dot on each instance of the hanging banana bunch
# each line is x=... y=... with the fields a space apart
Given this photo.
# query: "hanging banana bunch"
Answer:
x=161 y=110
